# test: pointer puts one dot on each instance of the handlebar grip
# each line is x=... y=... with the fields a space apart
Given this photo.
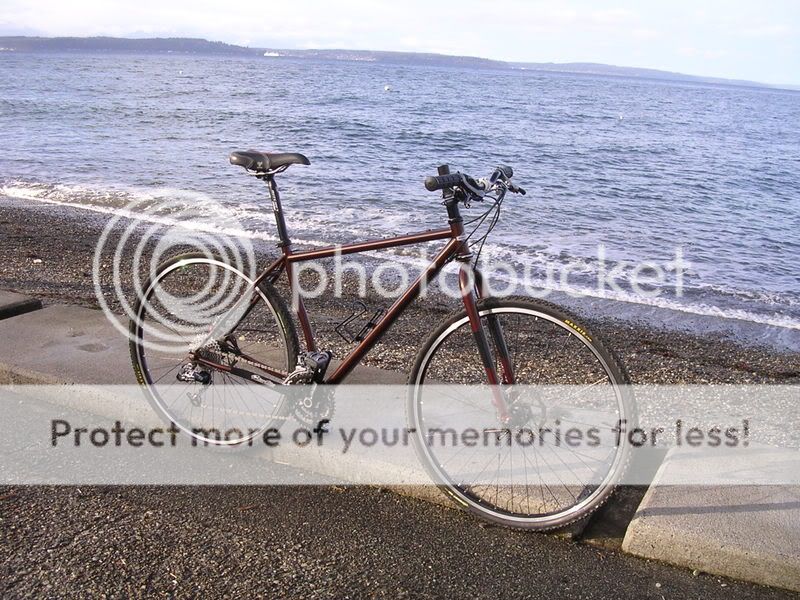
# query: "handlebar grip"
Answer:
x=439 y=182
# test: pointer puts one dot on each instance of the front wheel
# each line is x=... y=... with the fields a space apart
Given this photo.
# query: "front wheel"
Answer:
x=554 y=451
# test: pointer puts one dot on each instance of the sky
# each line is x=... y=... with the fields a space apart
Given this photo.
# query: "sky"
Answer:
x=739 y=39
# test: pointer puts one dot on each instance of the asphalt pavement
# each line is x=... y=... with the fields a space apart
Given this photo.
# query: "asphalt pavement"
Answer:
x=303 y=542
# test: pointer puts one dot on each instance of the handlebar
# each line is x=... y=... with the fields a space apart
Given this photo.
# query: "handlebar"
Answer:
x=473 y=187
x=440 y=182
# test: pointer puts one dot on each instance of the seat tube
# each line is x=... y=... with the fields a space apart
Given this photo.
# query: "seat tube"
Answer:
x=298 y=305
x=285 y=244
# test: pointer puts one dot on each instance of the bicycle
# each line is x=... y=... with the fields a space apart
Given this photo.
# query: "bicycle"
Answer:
x=499 y=345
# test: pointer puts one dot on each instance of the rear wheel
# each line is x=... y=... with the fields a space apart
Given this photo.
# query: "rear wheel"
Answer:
x=563 y=446
x=196 y=307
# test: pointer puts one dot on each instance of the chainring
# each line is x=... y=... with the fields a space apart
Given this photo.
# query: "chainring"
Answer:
x=311 y=408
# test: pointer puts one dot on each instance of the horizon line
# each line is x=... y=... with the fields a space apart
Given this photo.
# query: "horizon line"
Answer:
x=507 y=63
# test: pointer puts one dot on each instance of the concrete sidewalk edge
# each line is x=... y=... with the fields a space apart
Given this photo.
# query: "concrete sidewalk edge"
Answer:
x=746 y=532
x=13 y=304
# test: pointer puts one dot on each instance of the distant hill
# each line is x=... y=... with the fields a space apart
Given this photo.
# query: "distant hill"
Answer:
x=601 y=69
x=379 y=56
x=201 y=46
x=111 y=44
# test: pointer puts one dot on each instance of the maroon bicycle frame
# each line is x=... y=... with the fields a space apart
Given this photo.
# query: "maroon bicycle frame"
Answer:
x=470 y=284
x=455 y=247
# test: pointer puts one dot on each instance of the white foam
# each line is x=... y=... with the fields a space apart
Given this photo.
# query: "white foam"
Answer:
x=70 y=196
x=62 y=196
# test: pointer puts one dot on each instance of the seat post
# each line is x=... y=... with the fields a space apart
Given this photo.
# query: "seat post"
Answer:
x=277 y=210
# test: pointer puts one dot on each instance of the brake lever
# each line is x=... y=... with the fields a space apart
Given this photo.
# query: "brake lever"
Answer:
x=515 y=189
x=476 y=190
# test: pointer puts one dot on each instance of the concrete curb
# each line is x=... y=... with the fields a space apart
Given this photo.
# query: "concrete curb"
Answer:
x=747 y=532
x=65 y=345
x=13 y=304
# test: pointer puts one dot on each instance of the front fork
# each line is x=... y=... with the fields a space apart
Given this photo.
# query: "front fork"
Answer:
x=473 y=286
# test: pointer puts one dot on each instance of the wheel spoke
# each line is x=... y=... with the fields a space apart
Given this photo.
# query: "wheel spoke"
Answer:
x=186 y=302
x=520 y=484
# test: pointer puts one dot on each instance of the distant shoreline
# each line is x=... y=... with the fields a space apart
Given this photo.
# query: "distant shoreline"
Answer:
x=197 y=46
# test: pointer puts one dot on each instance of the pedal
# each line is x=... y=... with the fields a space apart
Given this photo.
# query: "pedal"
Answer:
x=317 y=364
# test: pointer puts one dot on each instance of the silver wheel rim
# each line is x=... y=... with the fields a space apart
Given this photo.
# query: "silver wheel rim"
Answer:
x=440 y=476
x=141 y=359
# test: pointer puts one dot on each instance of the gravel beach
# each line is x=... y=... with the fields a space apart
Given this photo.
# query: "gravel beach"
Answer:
x=47 y=252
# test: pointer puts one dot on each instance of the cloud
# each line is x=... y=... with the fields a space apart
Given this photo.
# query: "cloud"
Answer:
x=692 y=52
x=775 y=30
x=645 y=33
x=715 y=54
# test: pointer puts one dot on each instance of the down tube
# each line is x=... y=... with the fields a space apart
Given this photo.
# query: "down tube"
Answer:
x=352 y=359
